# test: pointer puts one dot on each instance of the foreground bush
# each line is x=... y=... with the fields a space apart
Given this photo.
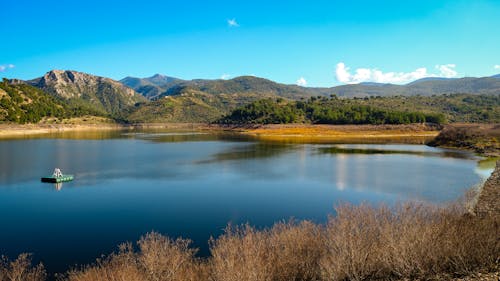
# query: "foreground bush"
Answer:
x=159 y=258
x=411 y=241
x=21 y=269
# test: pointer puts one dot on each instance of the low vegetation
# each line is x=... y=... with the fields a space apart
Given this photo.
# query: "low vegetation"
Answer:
x=483 y=139
x=410 y=241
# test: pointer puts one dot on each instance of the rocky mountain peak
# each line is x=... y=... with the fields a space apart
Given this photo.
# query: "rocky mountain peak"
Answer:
x=104 y=93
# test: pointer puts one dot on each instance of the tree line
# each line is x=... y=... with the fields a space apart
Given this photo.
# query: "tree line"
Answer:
x=323 y=111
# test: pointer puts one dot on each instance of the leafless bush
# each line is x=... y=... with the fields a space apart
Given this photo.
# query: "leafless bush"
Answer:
x=159 y=259
x=409 y=241
x=287 y=251
x=21 y=269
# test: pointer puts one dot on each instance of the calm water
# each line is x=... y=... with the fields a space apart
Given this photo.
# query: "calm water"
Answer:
x=192 y=185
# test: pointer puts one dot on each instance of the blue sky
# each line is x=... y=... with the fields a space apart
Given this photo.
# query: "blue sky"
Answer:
x=313 y=43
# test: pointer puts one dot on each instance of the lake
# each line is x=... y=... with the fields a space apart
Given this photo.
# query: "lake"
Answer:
x=193 y=184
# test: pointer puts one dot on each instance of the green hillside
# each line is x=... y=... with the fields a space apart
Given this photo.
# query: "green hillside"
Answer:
x=189 y=106
x=22 y=103
x=380 y=110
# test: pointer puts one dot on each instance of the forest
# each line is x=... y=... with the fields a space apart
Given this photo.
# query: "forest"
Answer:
x=322 y=110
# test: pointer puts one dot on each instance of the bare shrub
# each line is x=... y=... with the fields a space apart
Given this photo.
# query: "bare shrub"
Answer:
x=164 y=259
x=409 y=241
x=287 y=251
x=121 y=266
x=241 y=254
x=352 y=243
x=296 y=250
x=21 y=269
x=159 y=258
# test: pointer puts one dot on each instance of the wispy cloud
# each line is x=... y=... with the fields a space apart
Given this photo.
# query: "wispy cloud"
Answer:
x=232 y=23
x=301 y=82
x=360 y=75
x=5 y=67
x=497 y=66
x=225 y=76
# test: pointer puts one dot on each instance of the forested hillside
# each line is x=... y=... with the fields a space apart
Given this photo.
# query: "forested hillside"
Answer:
x=379 y=110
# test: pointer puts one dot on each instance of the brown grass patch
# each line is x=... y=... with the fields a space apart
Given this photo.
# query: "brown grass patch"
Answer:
x=415 y=133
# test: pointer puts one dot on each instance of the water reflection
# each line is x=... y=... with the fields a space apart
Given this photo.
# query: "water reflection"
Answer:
x=250 y=151
x=394 y=149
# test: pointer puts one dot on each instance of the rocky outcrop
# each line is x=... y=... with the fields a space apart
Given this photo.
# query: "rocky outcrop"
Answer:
x=488 y=201
x=99 y=92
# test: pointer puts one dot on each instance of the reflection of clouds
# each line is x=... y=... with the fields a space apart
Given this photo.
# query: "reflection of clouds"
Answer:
x=303 y=161
x=341 y=171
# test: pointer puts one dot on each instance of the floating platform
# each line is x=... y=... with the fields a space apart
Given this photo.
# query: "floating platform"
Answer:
x=53 y=179
x=57 y=177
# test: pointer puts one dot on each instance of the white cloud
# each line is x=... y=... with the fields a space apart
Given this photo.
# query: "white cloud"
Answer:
x=447 y=70
x=360 y=75
x=4 y=67
x=301 y=82
x=232 y=23
x=497 y=66
x=225 y=76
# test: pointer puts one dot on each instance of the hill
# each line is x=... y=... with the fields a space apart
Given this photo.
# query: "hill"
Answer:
x=189 y=105
x=22 y=103
x=379 y=110
x=101 y=94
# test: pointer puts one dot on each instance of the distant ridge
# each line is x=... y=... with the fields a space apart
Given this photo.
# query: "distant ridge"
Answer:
x=150 y=87
x=159 y=86
x=426 y=79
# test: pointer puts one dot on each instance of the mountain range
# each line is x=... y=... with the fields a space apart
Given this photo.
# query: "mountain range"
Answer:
x=166 y=86
x=161 y=98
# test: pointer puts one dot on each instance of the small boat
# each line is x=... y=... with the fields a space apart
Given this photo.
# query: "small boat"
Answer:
x=57 y=177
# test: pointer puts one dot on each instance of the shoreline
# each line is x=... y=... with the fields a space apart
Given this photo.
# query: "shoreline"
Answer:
x=268 y=132
x=412 y=133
